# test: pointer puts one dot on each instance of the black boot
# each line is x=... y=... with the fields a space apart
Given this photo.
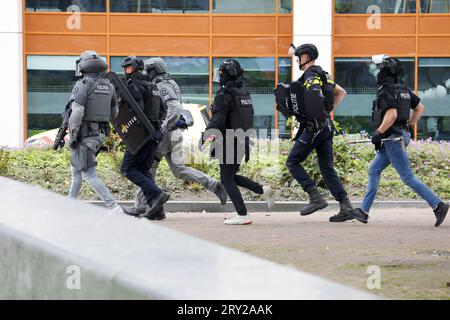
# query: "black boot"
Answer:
x=359 y=215
x=156 y=204
x=133 y=211
x=343 y=214
x=159 y=214
x=440 y=212
x=316 y=202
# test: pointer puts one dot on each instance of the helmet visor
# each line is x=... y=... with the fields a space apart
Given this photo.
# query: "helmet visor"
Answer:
x=216 y=75
x=379 y=58
x=291 y=50
x=77 y=69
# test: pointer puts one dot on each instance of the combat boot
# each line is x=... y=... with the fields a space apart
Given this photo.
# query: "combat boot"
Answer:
x=359 y=215
x=440 y=212
x=158 y=214
x=344 y=212
x=316 y=202
x=133 y=211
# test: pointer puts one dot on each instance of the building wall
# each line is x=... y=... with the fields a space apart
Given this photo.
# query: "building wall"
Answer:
x=11 y=81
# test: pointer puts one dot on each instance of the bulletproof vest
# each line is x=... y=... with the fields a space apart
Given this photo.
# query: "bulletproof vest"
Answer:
x=403 y=98
x=314 y=102
x=154 y=108
x=240 y=115
x=98 y=104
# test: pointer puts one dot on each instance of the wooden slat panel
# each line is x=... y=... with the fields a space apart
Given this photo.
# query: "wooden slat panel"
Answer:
x=244 y=25
x=431 y=24
x=389 y=25
x=283 y=45
x=63 y=44
x=235 y=46
x=285 y=25
x=156 y=24
x=58 y=23
x=434 y=45
x=368 y=46
x=149 y=45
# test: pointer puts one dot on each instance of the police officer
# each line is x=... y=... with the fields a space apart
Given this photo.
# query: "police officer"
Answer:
x=392 y=118
x=313 y=97
x=93 y=103
x=171 y=146
x=137 y=167
x=232 y=116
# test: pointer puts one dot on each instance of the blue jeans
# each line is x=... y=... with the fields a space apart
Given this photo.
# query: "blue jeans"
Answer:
x=392 y=152
x=323 y=144
x=137 y=169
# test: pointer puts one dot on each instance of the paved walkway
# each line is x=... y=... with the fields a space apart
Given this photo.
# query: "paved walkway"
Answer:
x=413 y=255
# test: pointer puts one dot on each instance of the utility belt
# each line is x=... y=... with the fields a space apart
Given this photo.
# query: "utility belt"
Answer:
x=317 y=125
x=90 y=129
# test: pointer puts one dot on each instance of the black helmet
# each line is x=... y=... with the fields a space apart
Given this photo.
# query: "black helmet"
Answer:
x=135 y=62
x=230 y=70
x=392 y=66
x=309 y=49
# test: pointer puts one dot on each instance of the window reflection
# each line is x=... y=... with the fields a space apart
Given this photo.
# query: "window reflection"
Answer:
x=160 y=6
x=191 y=74
x=285 y=6
x=244 y=6
x=434 y=90
x=434 y=6
x=358 y=77
x=63 y=5
x=385 y=6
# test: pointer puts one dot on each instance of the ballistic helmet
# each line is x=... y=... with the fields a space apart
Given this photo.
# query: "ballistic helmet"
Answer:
x=90 y=62
x=309 y=49
x=154 y=67
x=230 y=70
x=389 y=65
x=135 y=62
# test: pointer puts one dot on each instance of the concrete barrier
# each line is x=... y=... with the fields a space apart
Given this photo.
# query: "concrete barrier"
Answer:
x=53 y=247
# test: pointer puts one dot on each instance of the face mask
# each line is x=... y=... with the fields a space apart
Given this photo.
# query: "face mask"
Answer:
x=152 y=73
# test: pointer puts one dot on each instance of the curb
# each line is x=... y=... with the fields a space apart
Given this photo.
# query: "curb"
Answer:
x=260 y=206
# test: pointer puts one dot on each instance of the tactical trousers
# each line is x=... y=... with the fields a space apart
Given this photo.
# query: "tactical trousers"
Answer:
x=171 y=148
x=322 y=142
x=96 y=184
x=137 y=169
x=392 y=152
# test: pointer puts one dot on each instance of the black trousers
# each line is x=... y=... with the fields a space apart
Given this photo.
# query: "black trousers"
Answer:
x=137 y=169
x=231 y=181
x=322 y=142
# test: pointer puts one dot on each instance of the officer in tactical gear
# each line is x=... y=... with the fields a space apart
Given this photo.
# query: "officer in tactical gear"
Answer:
x=171 y=146
x=93 y=103
x=232 y=114
x=136 y=167
x=391 y=116
x=312 y=98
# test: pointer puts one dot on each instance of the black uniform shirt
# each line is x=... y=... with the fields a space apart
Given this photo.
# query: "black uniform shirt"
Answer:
x=137 y=88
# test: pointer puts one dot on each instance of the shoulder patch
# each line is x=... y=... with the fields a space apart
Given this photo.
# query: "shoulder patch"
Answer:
x=164 y=92
x=75 y=89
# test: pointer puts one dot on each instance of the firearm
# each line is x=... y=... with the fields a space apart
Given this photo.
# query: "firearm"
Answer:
x=62 y=132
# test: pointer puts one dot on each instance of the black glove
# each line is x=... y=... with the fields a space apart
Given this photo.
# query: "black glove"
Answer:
x=157 y=137
x=377 y=140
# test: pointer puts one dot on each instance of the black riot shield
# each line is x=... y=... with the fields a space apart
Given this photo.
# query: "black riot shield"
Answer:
x=131 y=124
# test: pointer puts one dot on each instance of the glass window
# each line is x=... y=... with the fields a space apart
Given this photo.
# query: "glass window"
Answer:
x=434 y=90
x=259 y=80
x=385 y=6
x=284 y=75
x=285 y=6
x=49 y=83
x=358 y=77
x=160 y=6
x=434 y=6
x=63 y=5
x=191 y=74
x=244 y=6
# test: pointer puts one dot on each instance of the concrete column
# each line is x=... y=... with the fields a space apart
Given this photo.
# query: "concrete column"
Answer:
x=313 y=24
x=11 y=78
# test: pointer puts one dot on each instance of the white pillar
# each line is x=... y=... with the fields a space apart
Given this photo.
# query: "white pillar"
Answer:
x=11 y=78
x=313 y=24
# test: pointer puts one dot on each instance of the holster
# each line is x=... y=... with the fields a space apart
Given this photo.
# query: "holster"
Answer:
x=316 y=125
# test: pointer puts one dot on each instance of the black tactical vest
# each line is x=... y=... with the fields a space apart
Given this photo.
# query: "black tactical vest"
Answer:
x=154 y=108
x=403 y=98
x=240 y=115
x=310 y=103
